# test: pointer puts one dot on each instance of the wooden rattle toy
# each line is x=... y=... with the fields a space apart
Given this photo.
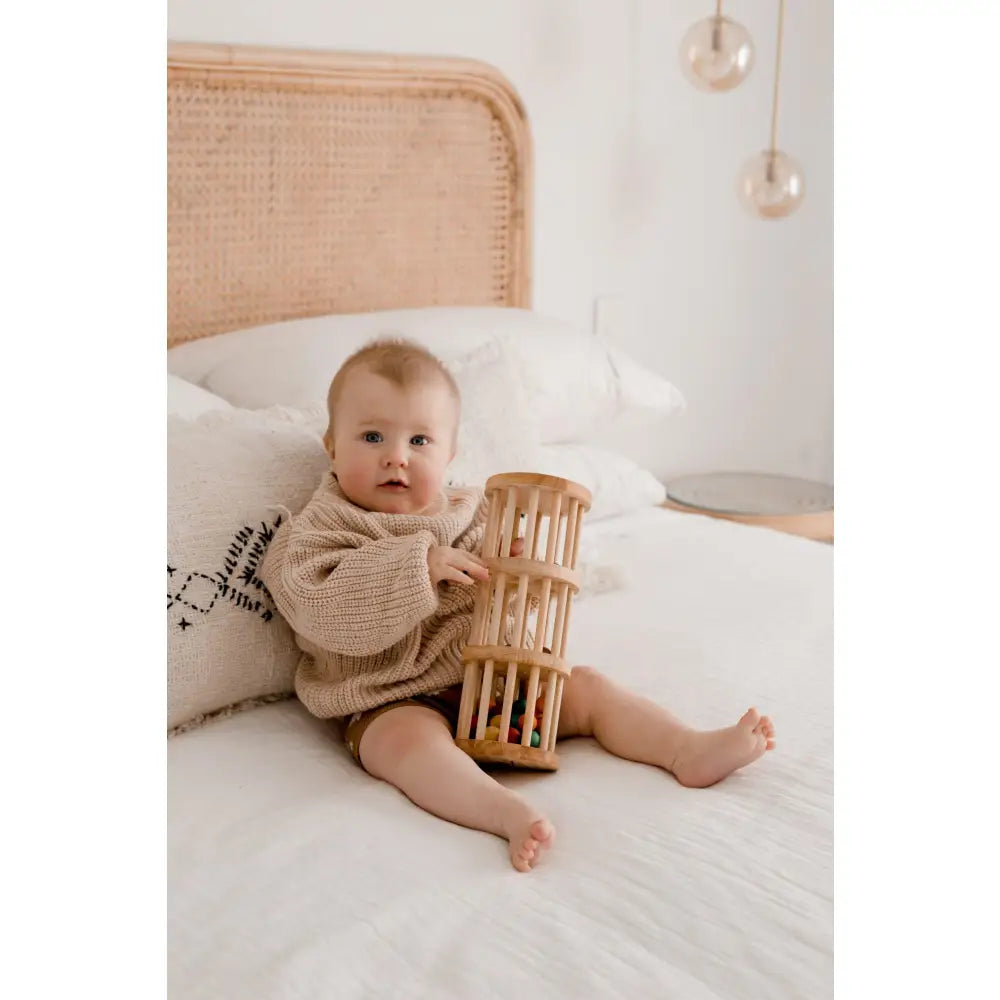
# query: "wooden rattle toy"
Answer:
x=514 y=676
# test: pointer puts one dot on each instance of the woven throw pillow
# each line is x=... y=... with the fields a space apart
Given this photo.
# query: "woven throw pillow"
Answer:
x=229 y=475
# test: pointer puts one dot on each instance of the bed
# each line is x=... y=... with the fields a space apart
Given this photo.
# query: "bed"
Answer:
x=309 y=194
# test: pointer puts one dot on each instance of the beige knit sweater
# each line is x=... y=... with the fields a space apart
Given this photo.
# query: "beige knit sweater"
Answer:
x=355 y=587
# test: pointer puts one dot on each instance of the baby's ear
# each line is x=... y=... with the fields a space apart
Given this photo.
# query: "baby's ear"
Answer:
x=328 y=444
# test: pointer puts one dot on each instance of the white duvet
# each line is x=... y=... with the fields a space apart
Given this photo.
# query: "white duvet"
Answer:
x=294 y=875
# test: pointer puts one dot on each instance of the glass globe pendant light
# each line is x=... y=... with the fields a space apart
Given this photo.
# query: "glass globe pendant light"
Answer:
x=717 y=53
x=771 y=184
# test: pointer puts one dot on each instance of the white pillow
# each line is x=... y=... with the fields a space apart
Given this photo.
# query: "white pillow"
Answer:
x=488 y=446
x=573 y=381
x=228 y=473
x=498 y=432
x=185 y=399
x=618 y=485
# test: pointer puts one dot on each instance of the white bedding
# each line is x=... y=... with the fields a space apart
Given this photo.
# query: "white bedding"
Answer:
x=295 y=875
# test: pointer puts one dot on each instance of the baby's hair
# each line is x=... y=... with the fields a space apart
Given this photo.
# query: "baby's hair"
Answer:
x=402 y=362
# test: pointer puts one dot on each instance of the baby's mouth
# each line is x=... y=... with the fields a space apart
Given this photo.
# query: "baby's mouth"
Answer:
x=393 y=485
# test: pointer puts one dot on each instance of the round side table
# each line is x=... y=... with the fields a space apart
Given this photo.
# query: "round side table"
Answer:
x=795 y=506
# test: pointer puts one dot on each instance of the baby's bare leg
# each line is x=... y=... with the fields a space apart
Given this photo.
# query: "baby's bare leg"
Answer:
x=636 y=728
x=412 y=748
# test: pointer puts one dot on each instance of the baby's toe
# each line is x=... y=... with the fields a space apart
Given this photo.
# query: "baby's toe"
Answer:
x=543 y=832
x=751 y=718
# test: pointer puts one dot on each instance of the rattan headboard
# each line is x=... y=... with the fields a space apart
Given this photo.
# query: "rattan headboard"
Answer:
x=302 y=183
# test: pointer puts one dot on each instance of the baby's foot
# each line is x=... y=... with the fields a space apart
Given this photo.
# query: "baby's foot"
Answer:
x=706 y=758
x=528 y=834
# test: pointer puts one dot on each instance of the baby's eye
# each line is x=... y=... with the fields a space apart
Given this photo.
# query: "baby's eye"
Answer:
x=420 y=439
x=373 y=437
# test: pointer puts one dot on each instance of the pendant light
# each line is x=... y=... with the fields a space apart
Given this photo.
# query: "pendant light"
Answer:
x=716 y=54
x=771 y=184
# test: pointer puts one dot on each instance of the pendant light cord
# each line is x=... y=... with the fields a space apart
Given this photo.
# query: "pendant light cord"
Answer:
x=777 y=78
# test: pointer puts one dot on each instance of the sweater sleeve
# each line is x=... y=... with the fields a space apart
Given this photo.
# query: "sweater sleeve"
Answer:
x=347 y=593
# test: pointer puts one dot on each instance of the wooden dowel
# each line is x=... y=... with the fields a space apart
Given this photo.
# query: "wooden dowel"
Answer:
x=555 y=519
x=536 y=535
x=499 y=584
x=529 y=708
x=532 y=523
x=505 y=610
x=541 y=622
x=500 y=596
x=484 y=700
x=492 y=526
x=520 y=611
x=565 y=630
x=510 y=509
x=557 y=628
x=560 y=534
x=544 y=598
x=468 y=699
x=576 y=534
x=508 y=699
x=530 y=544
x=554 y=731
x=477 y=633
x=567 y=552
x=549 y=711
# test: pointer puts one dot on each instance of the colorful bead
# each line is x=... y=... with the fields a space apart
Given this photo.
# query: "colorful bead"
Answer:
x=520 y=706
x=496 y=720
x=535 y=739
x=492 y=733
x=513 y=736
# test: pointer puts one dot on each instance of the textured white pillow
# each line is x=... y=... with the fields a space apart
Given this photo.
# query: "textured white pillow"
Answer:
x=618 y=485
x=185 y=399
x=228 y=472
x=572 y=381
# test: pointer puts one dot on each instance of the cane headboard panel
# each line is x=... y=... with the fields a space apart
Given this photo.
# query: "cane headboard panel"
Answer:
x=303 y=183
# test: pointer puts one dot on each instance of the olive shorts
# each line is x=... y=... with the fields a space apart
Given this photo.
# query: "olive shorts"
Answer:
x=446 y=703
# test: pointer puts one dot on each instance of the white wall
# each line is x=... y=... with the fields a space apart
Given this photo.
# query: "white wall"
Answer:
x=635 y=193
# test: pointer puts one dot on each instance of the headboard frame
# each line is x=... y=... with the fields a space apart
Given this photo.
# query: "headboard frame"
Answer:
x=302 y=183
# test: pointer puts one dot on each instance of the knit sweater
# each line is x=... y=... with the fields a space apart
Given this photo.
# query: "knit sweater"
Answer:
x=355 y=587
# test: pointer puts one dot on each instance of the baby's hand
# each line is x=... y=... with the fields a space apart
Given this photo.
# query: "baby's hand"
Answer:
x=454 y=565
x=517 y=548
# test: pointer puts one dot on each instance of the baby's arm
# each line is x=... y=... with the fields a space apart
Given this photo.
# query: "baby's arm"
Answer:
x=347 y=593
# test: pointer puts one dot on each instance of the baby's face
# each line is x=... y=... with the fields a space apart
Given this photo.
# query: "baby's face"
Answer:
x=392 y=445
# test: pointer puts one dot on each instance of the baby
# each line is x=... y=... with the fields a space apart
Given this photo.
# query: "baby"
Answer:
x=376 y=576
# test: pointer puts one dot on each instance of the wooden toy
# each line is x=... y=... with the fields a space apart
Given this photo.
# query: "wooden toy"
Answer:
x=514 y=674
